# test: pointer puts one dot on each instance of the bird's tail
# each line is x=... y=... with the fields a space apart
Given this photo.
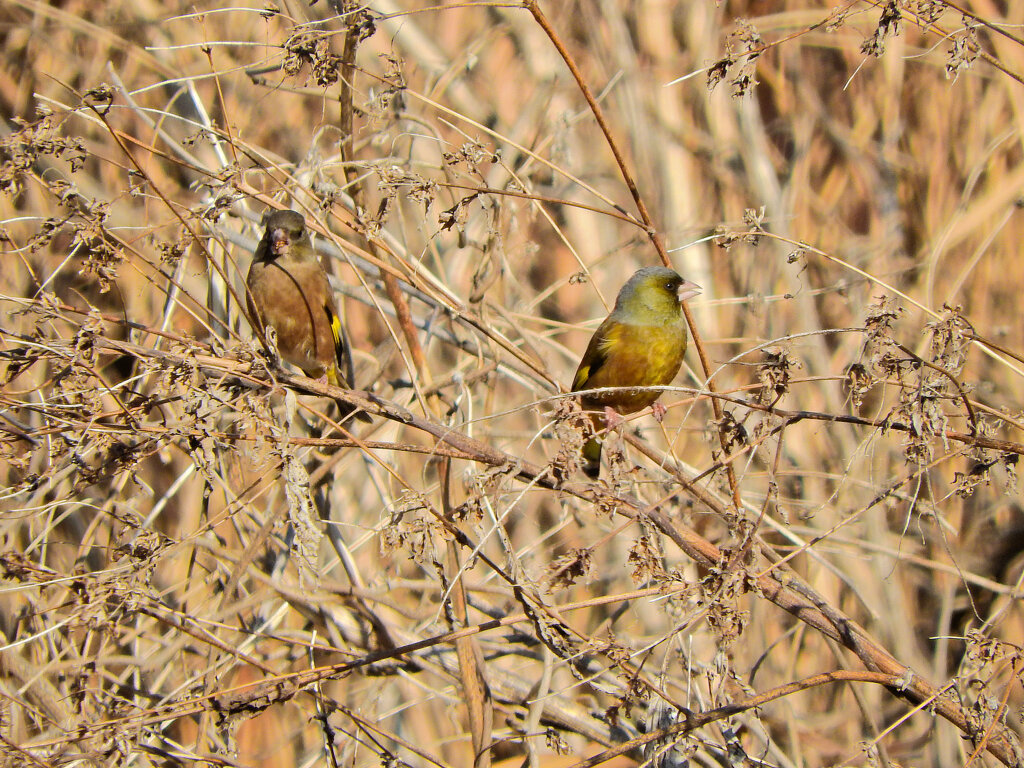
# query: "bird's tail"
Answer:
x=592 y=458
x=343 y=358
x=345 y=410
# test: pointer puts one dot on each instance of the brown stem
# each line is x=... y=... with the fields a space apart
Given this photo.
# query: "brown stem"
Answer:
x=346 y=147
x=534 y=7
x=691 y=721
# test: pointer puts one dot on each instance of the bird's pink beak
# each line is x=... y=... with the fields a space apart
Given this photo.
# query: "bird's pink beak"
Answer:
x=279 y=242
x=687 y=290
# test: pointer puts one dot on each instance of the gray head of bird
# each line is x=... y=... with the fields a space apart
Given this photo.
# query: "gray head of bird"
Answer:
x=285 y=229
x=657 y=290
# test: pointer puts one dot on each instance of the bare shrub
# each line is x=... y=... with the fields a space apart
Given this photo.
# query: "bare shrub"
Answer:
x=815 y=558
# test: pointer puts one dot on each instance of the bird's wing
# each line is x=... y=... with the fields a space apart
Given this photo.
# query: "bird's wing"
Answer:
x=344 y=371
x=595 y=356
x=342 y=350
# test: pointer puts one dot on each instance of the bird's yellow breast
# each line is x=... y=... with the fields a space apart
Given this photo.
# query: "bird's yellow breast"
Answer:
x=636 y=356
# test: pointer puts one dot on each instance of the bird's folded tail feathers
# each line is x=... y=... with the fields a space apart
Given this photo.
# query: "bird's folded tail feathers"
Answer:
x=343 y=355
x=345 y=409
x=592 y=458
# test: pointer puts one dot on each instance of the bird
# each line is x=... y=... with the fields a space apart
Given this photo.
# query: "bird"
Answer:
x=640 y=344
x=288 y=290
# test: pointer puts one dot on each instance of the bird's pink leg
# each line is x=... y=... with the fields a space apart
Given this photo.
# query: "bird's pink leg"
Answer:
x=611 y=417
x=658 y=411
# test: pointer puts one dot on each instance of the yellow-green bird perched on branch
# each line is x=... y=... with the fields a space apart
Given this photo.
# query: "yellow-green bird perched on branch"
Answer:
x=289 y=291
x=640 y=344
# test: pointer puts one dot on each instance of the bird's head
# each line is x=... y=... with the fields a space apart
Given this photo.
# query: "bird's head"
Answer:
x=286 y=230
x=656 y=292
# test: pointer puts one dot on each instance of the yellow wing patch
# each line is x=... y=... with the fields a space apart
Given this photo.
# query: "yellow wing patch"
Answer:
x=580 y=382
x=335 y=328
x=339 y=346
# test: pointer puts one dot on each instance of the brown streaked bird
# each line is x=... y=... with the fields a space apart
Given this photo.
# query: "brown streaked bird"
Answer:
x=289 y=291
x=640 y=344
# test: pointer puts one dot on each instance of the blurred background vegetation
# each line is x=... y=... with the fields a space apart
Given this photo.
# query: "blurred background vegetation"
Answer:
x=199 y=567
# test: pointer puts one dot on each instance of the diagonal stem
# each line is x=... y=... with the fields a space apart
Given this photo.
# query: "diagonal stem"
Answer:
x=534 y=7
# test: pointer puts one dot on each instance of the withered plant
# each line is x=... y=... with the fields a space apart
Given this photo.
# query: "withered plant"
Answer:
x=815 y=559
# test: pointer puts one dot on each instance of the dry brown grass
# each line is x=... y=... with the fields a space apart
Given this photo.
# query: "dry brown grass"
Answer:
x=200 y=568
